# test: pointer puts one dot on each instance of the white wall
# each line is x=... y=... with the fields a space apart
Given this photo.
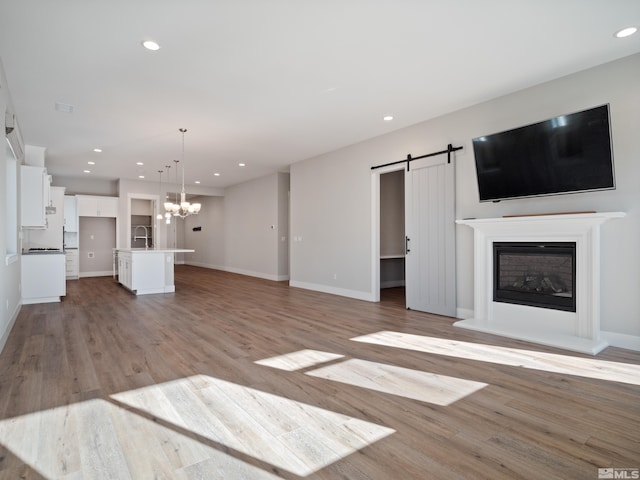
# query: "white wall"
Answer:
x=86 y=186
x=208 y=243
x=9 y=273
x=236 y=230
x=98 y=237
x=331 y=220
x=331 y=194
x=251 y=230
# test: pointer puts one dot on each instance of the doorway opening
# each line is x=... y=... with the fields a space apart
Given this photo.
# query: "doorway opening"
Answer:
x=427 y=241
x=392 y=237
x=142 y=224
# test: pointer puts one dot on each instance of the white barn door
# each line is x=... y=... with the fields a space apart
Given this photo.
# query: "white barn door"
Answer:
x=430 y=230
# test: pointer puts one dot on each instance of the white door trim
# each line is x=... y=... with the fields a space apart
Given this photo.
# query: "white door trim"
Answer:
x=375 y=226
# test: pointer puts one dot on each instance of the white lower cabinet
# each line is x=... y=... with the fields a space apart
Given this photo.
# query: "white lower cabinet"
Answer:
x=124 y=270
x=43 y=278
x=72 y=264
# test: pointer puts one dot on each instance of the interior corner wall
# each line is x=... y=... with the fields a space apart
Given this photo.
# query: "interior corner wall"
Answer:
x=331 y=198
x=283 y=226
x=9 y=274
x=251 y=228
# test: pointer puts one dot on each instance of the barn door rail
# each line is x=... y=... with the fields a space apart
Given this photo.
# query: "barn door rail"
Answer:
x=409 y=159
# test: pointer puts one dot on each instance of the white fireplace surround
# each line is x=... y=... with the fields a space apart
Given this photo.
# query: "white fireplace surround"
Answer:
x=578 y=331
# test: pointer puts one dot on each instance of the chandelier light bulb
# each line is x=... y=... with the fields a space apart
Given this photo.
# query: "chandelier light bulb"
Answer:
x=184 y=208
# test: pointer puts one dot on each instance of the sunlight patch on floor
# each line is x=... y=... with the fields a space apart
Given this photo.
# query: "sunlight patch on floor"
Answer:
x=96 y=439
x=404 y=382
x=287 y=434
x=196 y=427
x=548 y=362
x=297 y=360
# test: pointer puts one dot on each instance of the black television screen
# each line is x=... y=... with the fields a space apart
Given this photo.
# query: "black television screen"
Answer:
x=569 y=153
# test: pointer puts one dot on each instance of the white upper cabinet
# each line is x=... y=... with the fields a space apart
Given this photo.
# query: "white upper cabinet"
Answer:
x=70 y=214
x=34 y=196
x=96 y=206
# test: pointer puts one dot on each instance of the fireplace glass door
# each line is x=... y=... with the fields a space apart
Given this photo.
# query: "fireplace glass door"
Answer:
x=535 y=274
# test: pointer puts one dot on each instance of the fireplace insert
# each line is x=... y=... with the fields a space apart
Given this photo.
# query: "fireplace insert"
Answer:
x=535 y=274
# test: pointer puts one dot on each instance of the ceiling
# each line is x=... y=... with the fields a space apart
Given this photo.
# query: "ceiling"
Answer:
x=270 y=83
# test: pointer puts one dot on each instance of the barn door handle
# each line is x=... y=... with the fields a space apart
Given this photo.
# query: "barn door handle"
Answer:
x=406 y=244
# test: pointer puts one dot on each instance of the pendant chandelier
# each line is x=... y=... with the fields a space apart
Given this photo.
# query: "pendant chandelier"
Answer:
x=184 y=208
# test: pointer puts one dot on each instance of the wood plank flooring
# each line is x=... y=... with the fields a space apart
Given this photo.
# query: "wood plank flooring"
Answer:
x=234 y=377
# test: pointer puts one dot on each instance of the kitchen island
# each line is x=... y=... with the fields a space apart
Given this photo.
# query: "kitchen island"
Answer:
x=147 y=270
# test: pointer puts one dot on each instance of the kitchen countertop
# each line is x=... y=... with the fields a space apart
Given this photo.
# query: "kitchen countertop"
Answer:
x=44 y=252
x=154 y=250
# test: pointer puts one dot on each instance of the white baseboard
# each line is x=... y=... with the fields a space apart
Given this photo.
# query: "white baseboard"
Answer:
x=204 y=265
x=250 y=273
x=343 y=292
x=5 y=334
x=33 y=301
x=621 y=340
x=464 y=313
x=104 y=273
x=266 y=276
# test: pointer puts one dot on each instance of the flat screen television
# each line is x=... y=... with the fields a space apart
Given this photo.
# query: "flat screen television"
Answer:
x=566 y=154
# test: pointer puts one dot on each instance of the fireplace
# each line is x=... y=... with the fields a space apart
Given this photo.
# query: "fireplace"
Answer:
x=536 y=274
x=571 y=246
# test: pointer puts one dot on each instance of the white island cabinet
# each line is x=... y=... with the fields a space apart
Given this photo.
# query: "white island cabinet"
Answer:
x=144 y=271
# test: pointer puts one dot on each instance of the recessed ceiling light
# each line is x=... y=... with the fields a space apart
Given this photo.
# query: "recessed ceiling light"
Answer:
x=139 y=163
x=387 y=118
x=241 y=165
x=97 y=150
x=197 y=181
x=625 y=32
x=140 y=176
x=150 y=45
x=87 y=171
x=91 y=163
x=216 y=174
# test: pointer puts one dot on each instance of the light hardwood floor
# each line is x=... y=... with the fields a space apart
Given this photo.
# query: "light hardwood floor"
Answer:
x=234 y=377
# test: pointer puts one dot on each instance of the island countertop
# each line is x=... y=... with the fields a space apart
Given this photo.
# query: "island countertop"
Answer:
x=154 y=250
